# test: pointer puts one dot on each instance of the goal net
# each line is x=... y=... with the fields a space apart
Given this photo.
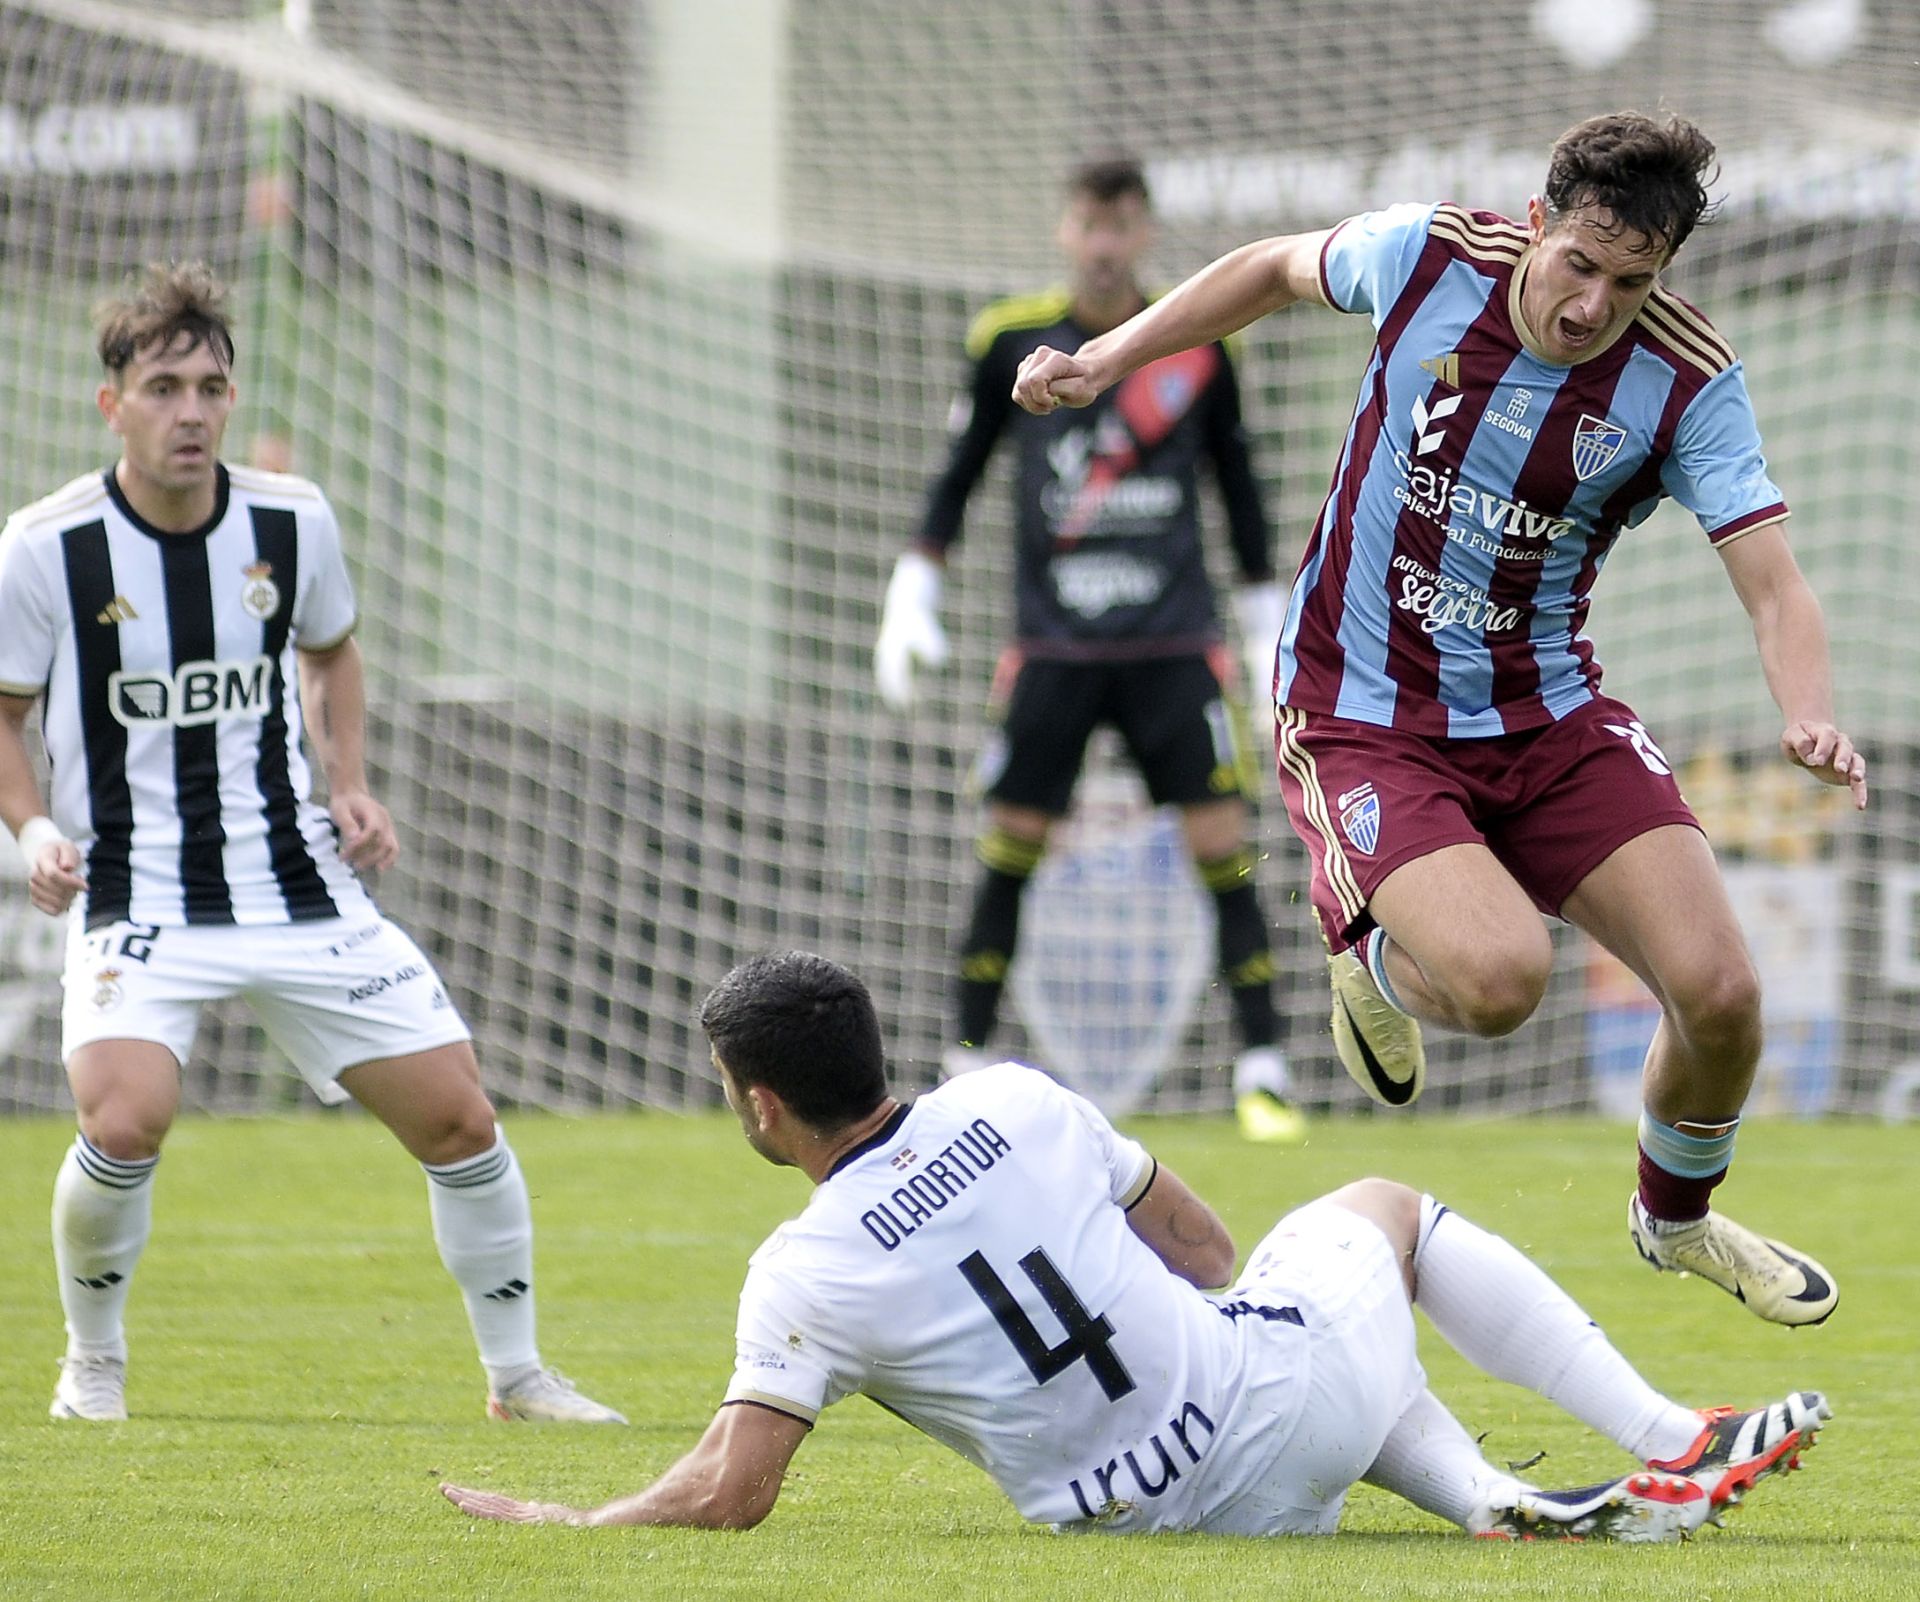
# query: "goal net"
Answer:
x=622 y=338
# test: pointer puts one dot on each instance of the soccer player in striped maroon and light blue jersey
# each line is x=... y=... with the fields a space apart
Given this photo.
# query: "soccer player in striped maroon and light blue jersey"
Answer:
x=1446 y=751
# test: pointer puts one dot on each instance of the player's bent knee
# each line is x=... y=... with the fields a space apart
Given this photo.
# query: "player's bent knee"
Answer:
x=1386 y=1202
x=1719 y=1014
x=1497 y=1001
x=464 y=1132
x=124 y=1136
x=126 y=1125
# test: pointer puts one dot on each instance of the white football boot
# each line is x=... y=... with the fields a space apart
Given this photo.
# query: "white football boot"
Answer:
x=547 y=1396
x=92 y=1388
x=1770 y=1277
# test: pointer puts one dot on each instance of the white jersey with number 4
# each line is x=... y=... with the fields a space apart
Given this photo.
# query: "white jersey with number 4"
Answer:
x=971 y=1269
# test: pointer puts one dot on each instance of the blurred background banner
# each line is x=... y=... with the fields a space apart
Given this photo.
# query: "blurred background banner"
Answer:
x=622 y=335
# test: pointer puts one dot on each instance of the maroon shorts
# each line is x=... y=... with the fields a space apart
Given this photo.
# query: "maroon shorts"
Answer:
x=1551 y=803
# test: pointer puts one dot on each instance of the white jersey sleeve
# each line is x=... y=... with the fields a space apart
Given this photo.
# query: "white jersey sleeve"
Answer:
x=324 y=612
x=782 y=1357
x=28 y=617
x=1128 y=1165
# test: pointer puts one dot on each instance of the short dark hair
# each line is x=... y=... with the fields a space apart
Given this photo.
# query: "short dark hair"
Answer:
x=159 y=306
x=803 y=1027
x=1651 y=176
x=1106 y=178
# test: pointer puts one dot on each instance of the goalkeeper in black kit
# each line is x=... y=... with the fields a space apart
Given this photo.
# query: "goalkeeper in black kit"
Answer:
x=1116 y=621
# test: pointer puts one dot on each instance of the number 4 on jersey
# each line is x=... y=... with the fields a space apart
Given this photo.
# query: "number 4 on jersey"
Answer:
x=1088 y=1335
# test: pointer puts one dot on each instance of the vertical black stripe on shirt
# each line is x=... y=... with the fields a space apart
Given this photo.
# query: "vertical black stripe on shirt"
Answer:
x=96 y=649
x=276 y=541
x=196 y=747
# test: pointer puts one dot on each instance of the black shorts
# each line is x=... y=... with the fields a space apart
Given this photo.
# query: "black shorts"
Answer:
x=1186 y=736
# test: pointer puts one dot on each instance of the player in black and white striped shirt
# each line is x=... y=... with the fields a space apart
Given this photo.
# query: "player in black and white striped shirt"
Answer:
x=180 y=623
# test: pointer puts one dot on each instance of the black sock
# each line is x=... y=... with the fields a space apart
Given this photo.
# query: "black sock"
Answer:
x=1246 y=954
x=993 y=931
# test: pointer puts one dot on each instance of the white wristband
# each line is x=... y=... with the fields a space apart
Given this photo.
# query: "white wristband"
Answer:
x=35 y=833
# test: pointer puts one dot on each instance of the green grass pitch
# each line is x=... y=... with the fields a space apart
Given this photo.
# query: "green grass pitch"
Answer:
x=302 y=1377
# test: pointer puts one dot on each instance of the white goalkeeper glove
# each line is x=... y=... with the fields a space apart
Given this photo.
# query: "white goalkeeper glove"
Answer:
x=1260 y=610
x=910 y=629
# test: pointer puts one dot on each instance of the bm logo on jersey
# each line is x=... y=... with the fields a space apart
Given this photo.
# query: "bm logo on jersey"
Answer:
x=194 y=693
x=1595 y=444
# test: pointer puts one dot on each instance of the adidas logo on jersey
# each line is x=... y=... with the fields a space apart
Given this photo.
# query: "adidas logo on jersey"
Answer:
x=194 y=693
x=118 y=610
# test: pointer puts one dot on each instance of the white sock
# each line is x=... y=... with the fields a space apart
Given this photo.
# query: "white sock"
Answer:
x=102 y=1215
x=1431 y=1461
x=1261 y=1068
x=1501 y=1312
x=483 y=1226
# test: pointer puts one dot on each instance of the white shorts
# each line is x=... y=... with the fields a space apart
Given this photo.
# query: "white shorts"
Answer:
x=331 y=994
x=1362 y=1368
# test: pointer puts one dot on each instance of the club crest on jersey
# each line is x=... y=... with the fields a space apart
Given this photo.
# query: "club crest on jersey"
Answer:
x=1360 y=819
x=107 y=993
x=1595 y=444
x=261 y=598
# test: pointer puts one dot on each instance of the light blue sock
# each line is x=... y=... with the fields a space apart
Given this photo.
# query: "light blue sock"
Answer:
x=1374 y=951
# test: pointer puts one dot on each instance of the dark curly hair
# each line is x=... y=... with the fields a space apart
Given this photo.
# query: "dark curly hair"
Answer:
x=160 y=306
x=805 y=1028
x=1651 y=176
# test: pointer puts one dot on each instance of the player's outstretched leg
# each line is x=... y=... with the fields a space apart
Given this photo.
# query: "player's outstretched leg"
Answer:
x=1699 y=1068
x=1378 y=1044
x=1503 y=1314
x=483 y=1225
x=102 y=1215
x=482 y=1220
x=1431 y=1460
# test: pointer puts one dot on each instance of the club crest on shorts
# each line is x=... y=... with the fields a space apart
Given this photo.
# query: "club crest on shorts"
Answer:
x=1595 y=444
x=107 y=990
x=1360 y=819
x=261 y=598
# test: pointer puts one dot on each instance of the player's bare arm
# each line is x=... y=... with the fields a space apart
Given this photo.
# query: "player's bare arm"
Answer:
x=53 y=862
x=1222 y=298
x=1184 y=1232
x=729 y=1481
x=1791 y=632
x=333 y=699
